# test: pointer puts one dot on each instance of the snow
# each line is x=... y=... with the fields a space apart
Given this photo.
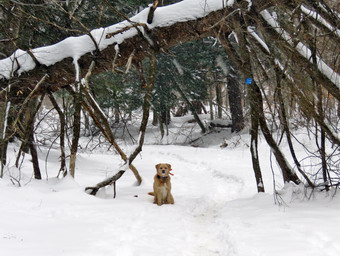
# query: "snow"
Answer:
x=216 y=212
x=252 y=31
x=178 y=67
x=77 y=69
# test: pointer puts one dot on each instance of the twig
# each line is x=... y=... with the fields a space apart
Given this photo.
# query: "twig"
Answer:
x=152 y=11
x=134 y=25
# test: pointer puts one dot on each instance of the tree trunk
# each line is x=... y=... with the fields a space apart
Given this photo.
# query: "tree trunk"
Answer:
x=254 y=151
x=211 y=102
x=101 y=121
x=34 y=154
x=322 y=145
x=287 y=173
x=164 y=119
x=155 y=117
x=235 y=102
x=254 y=119
x=219 y=100
x=284 y=121
x=254 y=114
x=3 y=107
x=62 y=121
x=76 y=130
x=117 y=115
x=25 y=128
x=4 y=111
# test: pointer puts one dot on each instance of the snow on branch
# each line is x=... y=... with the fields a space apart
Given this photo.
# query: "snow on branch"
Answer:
x=251 y=31
x=320 y=19
x=302 y=49
x=98 y=39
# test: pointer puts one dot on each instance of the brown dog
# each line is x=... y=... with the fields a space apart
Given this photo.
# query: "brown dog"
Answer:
x=162 y=185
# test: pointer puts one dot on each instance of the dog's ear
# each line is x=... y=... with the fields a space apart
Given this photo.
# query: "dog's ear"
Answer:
x=157 y=165
x=169 y=166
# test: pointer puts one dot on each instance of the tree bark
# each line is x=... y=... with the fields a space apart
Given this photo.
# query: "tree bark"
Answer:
x=254 y=134
x=25 y=128
x=34 y=154
x=219 y=100
x=211 y=102
x=155 y=117
x=62 y=121
x=76 y=129
x=286 y=129
x=235 y=102
x=4 y=118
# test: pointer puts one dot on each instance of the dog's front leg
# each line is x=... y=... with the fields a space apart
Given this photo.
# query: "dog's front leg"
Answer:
x=170 y=198
x=158 y=199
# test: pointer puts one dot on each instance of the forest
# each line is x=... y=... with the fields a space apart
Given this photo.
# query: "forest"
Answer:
x=143 y=82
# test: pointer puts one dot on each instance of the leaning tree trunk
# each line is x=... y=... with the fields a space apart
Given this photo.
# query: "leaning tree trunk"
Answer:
x=286 y=129
x=287 y=173
x=25 y=128
x=322 y=145
x=148 y=86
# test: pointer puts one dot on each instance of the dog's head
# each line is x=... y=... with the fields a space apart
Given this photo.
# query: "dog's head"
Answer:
x=163 y=169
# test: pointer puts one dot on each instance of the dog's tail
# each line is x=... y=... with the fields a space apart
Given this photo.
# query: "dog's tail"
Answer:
x=151 y=193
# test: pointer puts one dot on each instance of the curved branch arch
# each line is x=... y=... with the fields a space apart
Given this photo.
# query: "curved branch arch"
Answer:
x=126 y=37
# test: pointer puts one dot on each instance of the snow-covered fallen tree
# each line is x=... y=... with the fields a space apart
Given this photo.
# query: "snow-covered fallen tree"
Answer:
x=67 y=61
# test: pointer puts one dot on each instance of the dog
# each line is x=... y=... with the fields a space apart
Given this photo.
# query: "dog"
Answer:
x=162 y=185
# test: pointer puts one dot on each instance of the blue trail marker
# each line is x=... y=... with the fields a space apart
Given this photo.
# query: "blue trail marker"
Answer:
x=249 y=80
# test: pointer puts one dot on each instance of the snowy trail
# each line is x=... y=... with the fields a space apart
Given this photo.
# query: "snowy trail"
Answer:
x=216 y=212
x=199 y=195
x=205 y=234
x=128 y=225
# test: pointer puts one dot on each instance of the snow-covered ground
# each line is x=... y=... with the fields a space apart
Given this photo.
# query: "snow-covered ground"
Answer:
x=216 y=212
